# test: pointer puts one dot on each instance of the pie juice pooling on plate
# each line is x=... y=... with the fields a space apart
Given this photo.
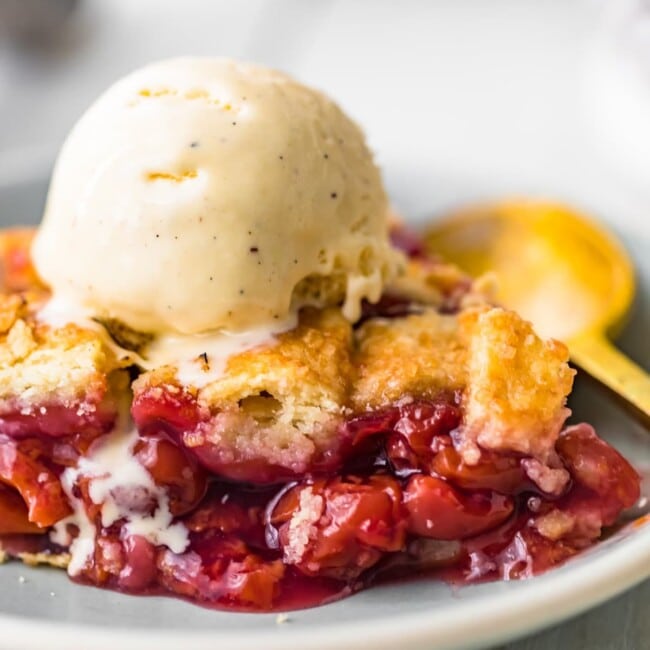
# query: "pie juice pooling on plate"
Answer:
x=224 y=376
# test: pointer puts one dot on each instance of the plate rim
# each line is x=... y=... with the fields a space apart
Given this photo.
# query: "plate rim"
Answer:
x=495 y=618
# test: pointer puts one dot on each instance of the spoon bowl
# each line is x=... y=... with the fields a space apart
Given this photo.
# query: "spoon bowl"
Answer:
x=560 y=270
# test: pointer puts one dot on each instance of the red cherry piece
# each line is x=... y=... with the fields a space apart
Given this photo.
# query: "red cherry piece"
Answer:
x=13 y=514
x=220 y=462
x=139 y=569
x=166 y=407
x=414 y=432
x=421 y=423
x=437 y=510
x=337 y=528
x=39 y=487
x=599 y=467
x=172 y=468
x=493 y=472
x=223 y=570
x=57 y=420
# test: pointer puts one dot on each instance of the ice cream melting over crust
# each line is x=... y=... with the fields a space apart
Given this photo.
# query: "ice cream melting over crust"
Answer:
x=124 y=490
x=199 y=359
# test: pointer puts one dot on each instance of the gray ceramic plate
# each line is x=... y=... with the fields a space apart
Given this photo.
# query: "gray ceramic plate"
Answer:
x=39 y=608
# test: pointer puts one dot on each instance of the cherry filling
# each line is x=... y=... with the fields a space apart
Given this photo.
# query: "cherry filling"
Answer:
x=342 y=526
x=58 y=420
x=14 y=514
x=400 y=501
x=184 y=481
x=408 y=241
x=26 y=469
x=175 y=413
x=388 y=306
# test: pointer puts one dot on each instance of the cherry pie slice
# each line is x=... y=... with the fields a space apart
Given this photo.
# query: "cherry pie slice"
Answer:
x=427 y=437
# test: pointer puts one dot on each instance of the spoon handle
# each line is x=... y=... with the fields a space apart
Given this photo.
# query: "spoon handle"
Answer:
x=601 y=360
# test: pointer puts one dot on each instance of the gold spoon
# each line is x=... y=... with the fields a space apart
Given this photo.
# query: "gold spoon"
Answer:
x=561 y=271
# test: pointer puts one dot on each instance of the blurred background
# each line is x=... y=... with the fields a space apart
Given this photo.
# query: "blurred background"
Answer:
x=458 y=97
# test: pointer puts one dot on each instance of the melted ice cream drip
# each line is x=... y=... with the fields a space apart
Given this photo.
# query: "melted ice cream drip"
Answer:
x=59 y=311
x=199 y=358
x=124 y=490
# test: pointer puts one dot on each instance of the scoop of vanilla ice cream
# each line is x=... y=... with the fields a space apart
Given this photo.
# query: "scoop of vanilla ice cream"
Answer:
x=202 y=194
